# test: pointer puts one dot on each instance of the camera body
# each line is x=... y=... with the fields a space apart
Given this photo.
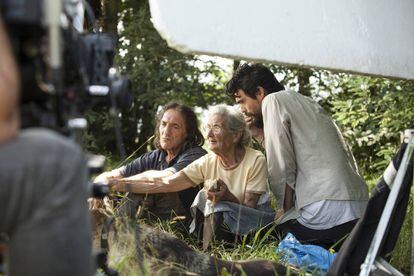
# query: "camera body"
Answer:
x=56 y=95
x=64 y=70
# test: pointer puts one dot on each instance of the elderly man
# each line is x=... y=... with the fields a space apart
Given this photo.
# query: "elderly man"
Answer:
x=43 y=190
x=313 y=174
x=178 y=141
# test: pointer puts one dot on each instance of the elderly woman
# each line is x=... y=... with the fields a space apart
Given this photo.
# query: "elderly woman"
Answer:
x=235 y=177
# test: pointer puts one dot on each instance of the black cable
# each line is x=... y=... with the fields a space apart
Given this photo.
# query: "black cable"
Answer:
x=117 y=127
x=91 y=16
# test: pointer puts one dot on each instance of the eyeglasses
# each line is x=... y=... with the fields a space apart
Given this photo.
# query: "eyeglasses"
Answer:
x=216 y=129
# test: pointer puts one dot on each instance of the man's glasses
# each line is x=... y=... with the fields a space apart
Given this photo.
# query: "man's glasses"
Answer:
x=216 y=129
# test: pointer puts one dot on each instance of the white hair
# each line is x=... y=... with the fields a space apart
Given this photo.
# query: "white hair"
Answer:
x=235 y=121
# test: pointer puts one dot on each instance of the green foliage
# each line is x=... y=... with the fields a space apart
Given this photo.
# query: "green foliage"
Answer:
x=401 y=256
x=371 y=113
x=122 y=256
x=159 y=74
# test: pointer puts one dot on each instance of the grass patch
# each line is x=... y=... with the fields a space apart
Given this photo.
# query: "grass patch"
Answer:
x=401 y=257
x=124 y=255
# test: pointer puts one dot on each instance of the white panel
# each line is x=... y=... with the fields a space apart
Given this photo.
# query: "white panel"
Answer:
x=373 y=37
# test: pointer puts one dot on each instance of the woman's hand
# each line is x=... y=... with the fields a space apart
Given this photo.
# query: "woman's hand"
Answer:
x=279 y=214
x=220 y=193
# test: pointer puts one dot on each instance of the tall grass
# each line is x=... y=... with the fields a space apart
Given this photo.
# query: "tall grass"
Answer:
x=401 y=257
x=125 y=258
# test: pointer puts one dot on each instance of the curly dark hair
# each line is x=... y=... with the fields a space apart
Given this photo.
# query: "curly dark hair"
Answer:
x=194 y=136
x=249 y=77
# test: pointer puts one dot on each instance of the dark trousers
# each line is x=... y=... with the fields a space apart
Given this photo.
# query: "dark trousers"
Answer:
x=327 y=238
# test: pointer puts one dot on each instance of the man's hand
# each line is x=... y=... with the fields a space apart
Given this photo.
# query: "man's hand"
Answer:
x=103 y=178
x=289 y=200
x=248 y=119
x=95 y=203
x=107 y=176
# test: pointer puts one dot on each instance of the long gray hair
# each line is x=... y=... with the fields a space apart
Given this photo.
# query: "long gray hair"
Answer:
x=235 y=122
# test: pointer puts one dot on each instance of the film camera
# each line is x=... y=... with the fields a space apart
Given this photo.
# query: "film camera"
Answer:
x=64 y=70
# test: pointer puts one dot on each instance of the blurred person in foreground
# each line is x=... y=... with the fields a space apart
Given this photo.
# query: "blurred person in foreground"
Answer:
x=235 y=190
x=43 y=190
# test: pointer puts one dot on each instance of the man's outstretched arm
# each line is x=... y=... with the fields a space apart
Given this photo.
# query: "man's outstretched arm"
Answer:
x=174 y=183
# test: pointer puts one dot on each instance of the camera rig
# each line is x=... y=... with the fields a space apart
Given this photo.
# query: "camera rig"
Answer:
x=64 y=70
x=66 y=67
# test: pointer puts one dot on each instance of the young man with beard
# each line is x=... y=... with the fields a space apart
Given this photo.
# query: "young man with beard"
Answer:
x=312 y=172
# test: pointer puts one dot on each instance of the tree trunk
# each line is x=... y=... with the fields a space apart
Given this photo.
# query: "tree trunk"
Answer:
x=303 y=80
x=236 y=64
x=110 y=16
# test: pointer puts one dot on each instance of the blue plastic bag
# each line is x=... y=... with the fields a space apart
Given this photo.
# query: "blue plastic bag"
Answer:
x=312 y=257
